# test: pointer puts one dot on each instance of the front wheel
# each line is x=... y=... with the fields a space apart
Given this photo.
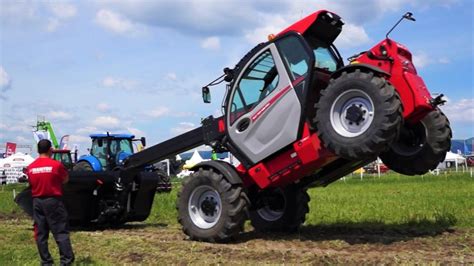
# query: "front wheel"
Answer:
x=280 y=209
x=210 y=208
x=420 y=147
x=358 y=115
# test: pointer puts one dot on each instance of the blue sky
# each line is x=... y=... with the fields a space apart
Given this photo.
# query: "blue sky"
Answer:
x=138 y=66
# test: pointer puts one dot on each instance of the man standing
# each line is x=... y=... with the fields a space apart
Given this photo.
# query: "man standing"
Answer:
x=46 y=177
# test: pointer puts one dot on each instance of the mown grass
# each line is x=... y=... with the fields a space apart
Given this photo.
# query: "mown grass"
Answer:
x=409 y=206
x=391 y=199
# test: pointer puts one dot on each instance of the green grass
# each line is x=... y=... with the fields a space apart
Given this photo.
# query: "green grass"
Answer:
x=395 y=200
x=392 y=208
x=391 y=199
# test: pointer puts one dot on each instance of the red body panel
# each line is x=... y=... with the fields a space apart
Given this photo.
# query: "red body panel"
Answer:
x=302 y=158
x=302 y=25
x=414 y=95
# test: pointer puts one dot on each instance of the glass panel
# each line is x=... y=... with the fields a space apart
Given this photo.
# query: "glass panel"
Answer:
x=100 y=152
x=324 y=59
x=294 y=55
x=259 y=80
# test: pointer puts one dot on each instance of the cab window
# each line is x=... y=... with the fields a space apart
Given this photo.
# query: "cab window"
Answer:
x=295 y=56
x=325 y=59
x=258 y=81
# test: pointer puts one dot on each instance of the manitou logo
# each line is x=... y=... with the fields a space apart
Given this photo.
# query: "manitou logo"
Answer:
x=40 y=170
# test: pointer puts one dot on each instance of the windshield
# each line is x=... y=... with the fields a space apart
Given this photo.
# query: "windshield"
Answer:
x=118 y=145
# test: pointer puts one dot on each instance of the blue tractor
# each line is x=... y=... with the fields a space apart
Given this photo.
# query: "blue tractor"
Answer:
x=107 y=152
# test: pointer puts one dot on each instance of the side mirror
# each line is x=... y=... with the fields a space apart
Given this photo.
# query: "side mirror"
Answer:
x=206 y=95
x=143 y=140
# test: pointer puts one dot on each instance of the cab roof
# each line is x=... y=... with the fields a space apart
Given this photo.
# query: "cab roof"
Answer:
x=323 y=25
x=117 y=136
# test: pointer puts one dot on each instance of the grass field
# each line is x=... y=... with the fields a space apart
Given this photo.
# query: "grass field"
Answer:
x=388 y=220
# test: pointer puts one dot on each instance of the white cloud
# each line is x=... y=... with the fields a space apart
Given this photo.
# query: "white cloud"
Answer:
x=171 y=76
x=75 y=139
x=211 y=43
x=271 y=25
x=421 y=60
x=5 y=82
x=59 y=115
x=352 y=36
x=15 y=12
x=460 y=111
x=115 y=22
x=182 y=128
x=135 y=131
x=106 y=122
x=159 y=112
x=120 y=83
x=22 y=140
x=87 y=130
x=103 y=107
x=53 y=24
x=63 y=10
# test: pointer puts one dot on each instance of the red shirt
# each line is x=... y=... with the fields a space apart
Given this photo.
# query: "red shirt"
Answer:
x=46 y=177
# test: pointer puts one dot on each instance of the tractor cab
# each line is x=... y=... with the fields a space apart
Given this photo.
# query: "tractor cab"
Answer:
x=107 y=152
x=63 y=156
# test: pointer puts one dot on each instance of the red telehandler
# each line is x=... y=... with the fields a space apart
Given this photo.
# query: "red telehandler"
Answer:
x=295 y=117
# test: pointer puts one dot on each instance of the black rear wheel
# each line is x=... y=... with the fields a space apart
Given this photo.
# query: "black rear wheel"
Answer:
x=280 y=209
x=420 y=147
x=83 y=166
x=358 y=115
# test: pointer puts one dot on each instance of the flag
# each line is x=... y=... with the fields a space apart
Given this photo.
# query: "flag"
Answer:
x=10 y=148
x=63 y=143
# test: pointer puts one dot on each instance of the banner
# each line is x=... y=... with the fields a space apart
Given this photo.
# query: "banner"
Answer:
x=10 y=148
x=63 y=143
x=39 y=135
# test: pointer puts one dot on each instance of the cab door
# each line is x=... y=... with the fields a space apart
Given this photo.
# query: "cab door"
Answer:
x=264 y=111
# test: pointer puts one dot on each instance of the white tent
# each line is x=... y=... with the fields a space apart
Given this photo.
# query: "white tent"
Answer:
x=12 y=167
x=452 y=159
x=17 y=160
x=195 y=159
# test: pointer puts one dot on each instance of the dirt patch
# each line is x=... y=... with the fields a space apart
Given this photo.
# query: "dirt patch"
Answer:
x=142 y=243
x=308 y=246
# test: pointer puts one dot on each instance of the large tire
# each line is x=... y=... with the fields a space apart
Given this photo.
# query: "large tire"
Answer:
x=358 y=115
x=164 y=181
x=280 y=210
x=83 y=166
x=210 y=208
x=421 y=147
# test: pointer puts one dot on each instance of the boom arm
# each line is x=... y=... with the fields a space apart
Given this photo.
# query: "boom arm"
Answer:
x=204 y=134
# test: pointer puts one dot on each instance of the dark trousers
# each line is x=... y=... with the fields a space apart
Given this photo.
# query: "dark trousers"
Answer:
x=50 y=214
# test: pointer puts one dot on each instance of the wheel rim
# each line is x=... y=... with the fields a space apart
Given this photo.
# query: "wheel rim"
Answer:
x=271 y=211
x=412 y=139
x=204 y=207
x=352 y=113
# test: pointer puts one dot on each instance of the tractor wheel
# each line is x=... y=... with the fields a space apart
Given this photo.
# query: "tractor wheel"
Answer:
x=210 y=208
x=420 y=147
x=83 y=166
x=358 y=115
x=280 y=209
